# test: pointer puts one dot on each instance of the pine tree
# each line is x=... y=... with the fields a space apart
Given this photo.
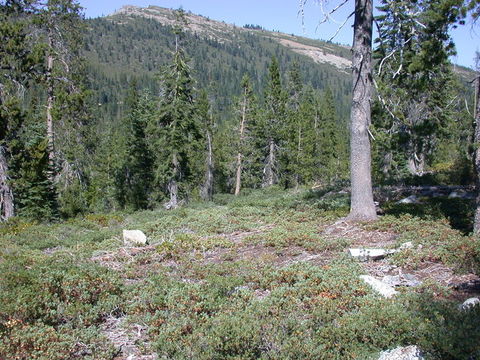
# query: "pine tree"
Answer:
x=246 y=108
x=274 y=118
x=294 y=129
x=61 y=24
x=332 y=146
x=416 y=82
x=134 y=179
x=175 y=128
x=362 y=206
x=21 y=64
x=207 y=126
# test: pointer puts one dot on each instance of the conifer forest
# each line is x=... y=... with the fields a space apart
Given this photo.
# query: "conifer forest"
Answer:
x=176 y=187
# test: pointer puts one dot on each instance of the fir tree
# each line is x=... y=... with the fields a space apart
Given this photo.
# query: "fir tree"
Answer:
x=21 y=64
x=274 y=118
x=415 y=80
x=175 y=128
x=134 y=180
x=207 y=126
x=245 y=155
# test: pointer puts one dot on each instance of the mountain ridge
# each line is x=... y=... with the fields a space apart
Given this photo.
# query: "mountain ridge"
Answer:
x=319 y=51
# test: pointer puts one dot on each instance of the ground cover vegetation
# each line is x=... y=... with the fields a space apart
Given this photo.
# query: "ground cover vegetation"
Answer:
x=237 y=170
x=265 y=275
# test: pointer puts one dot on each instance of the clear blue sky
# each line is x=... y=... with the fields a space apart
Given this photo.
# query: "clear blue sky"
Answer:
x=280 y=15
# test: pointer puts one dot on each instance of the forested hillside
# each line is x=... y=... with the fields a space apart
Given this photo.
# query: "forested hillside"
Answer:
x=137 y=44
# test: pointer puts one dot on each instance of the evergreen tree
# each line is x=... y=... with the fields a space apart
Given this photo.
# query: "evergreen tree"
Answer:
x=21 y=64
x=61 y=24
x=332 y=148
x=294 y=129
x=175 y=128
x=134 y=180
x=415 y=80
x=207 y=126
x=245 y=155
x=274 y=117
x=362 y=207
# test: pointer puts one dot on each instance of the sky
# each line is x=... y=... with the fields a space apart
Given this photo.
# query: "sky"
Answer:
x=283 y=15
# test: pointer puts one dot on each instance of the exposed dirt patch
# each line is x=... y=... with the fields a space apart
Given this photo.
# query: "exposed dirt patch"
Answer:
x=463 y=286
x=130 y=340
x=279 y=257
x=118 y=259
x=359 y=237
x=238 y=236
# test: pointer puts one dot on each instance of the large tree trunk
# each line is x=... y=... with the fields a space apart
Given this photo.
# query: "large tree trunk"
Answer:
x=362 y=207
x=476 y=140
x=6 y=194
x=207 y=189
x=269 y=170
x=238 y=180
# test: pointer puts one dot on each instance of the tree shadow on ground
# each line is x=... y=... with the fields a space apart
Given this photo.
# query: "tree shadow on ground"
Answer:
x=458 y=212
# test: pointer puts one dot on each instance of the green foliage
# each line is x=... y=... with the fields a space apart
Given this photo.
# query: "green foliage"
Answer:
x=50 y=304
x=135 y=176
x=199 y=294
x=418 y=105
x=175 y=130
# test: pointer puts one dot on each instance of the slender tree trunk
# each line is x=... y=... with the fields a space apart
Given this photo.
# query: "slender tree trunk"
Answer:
x=173 y=184
x=238 y=181
x=476 y=140
x=362 y=207
x=207 y=188
x=299 y=148
x=416 y=164
x=7 y=209
x=50 y=102
x=268 y=171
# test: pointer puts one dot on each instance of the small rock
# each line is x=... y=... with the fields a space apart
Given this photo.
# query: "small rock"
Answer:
x=469 y=303
x=134 y=237
x=383 y=289
x=369 y=254
x=412 y=199
x=401 y=280
x=407 y=245
x=454 y=195
x=402 y=353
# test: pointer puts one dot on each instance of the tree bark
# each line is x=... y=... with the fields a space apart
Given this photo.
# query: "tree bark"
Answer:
x=269 y=172
x=241 y=138
x=362 y=207
x=476 y=141
x=7 y=209
x=207 y=188
x=172 y=186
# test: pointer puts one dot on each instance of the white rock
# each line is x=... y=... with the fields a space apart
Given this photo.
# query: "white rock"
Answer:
x=412 y=199
x=402 y=353
x=383 y=289
x=369 y=254
x=134 y=237
x=407 y=245
x=469 y=303
x=454 y=195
